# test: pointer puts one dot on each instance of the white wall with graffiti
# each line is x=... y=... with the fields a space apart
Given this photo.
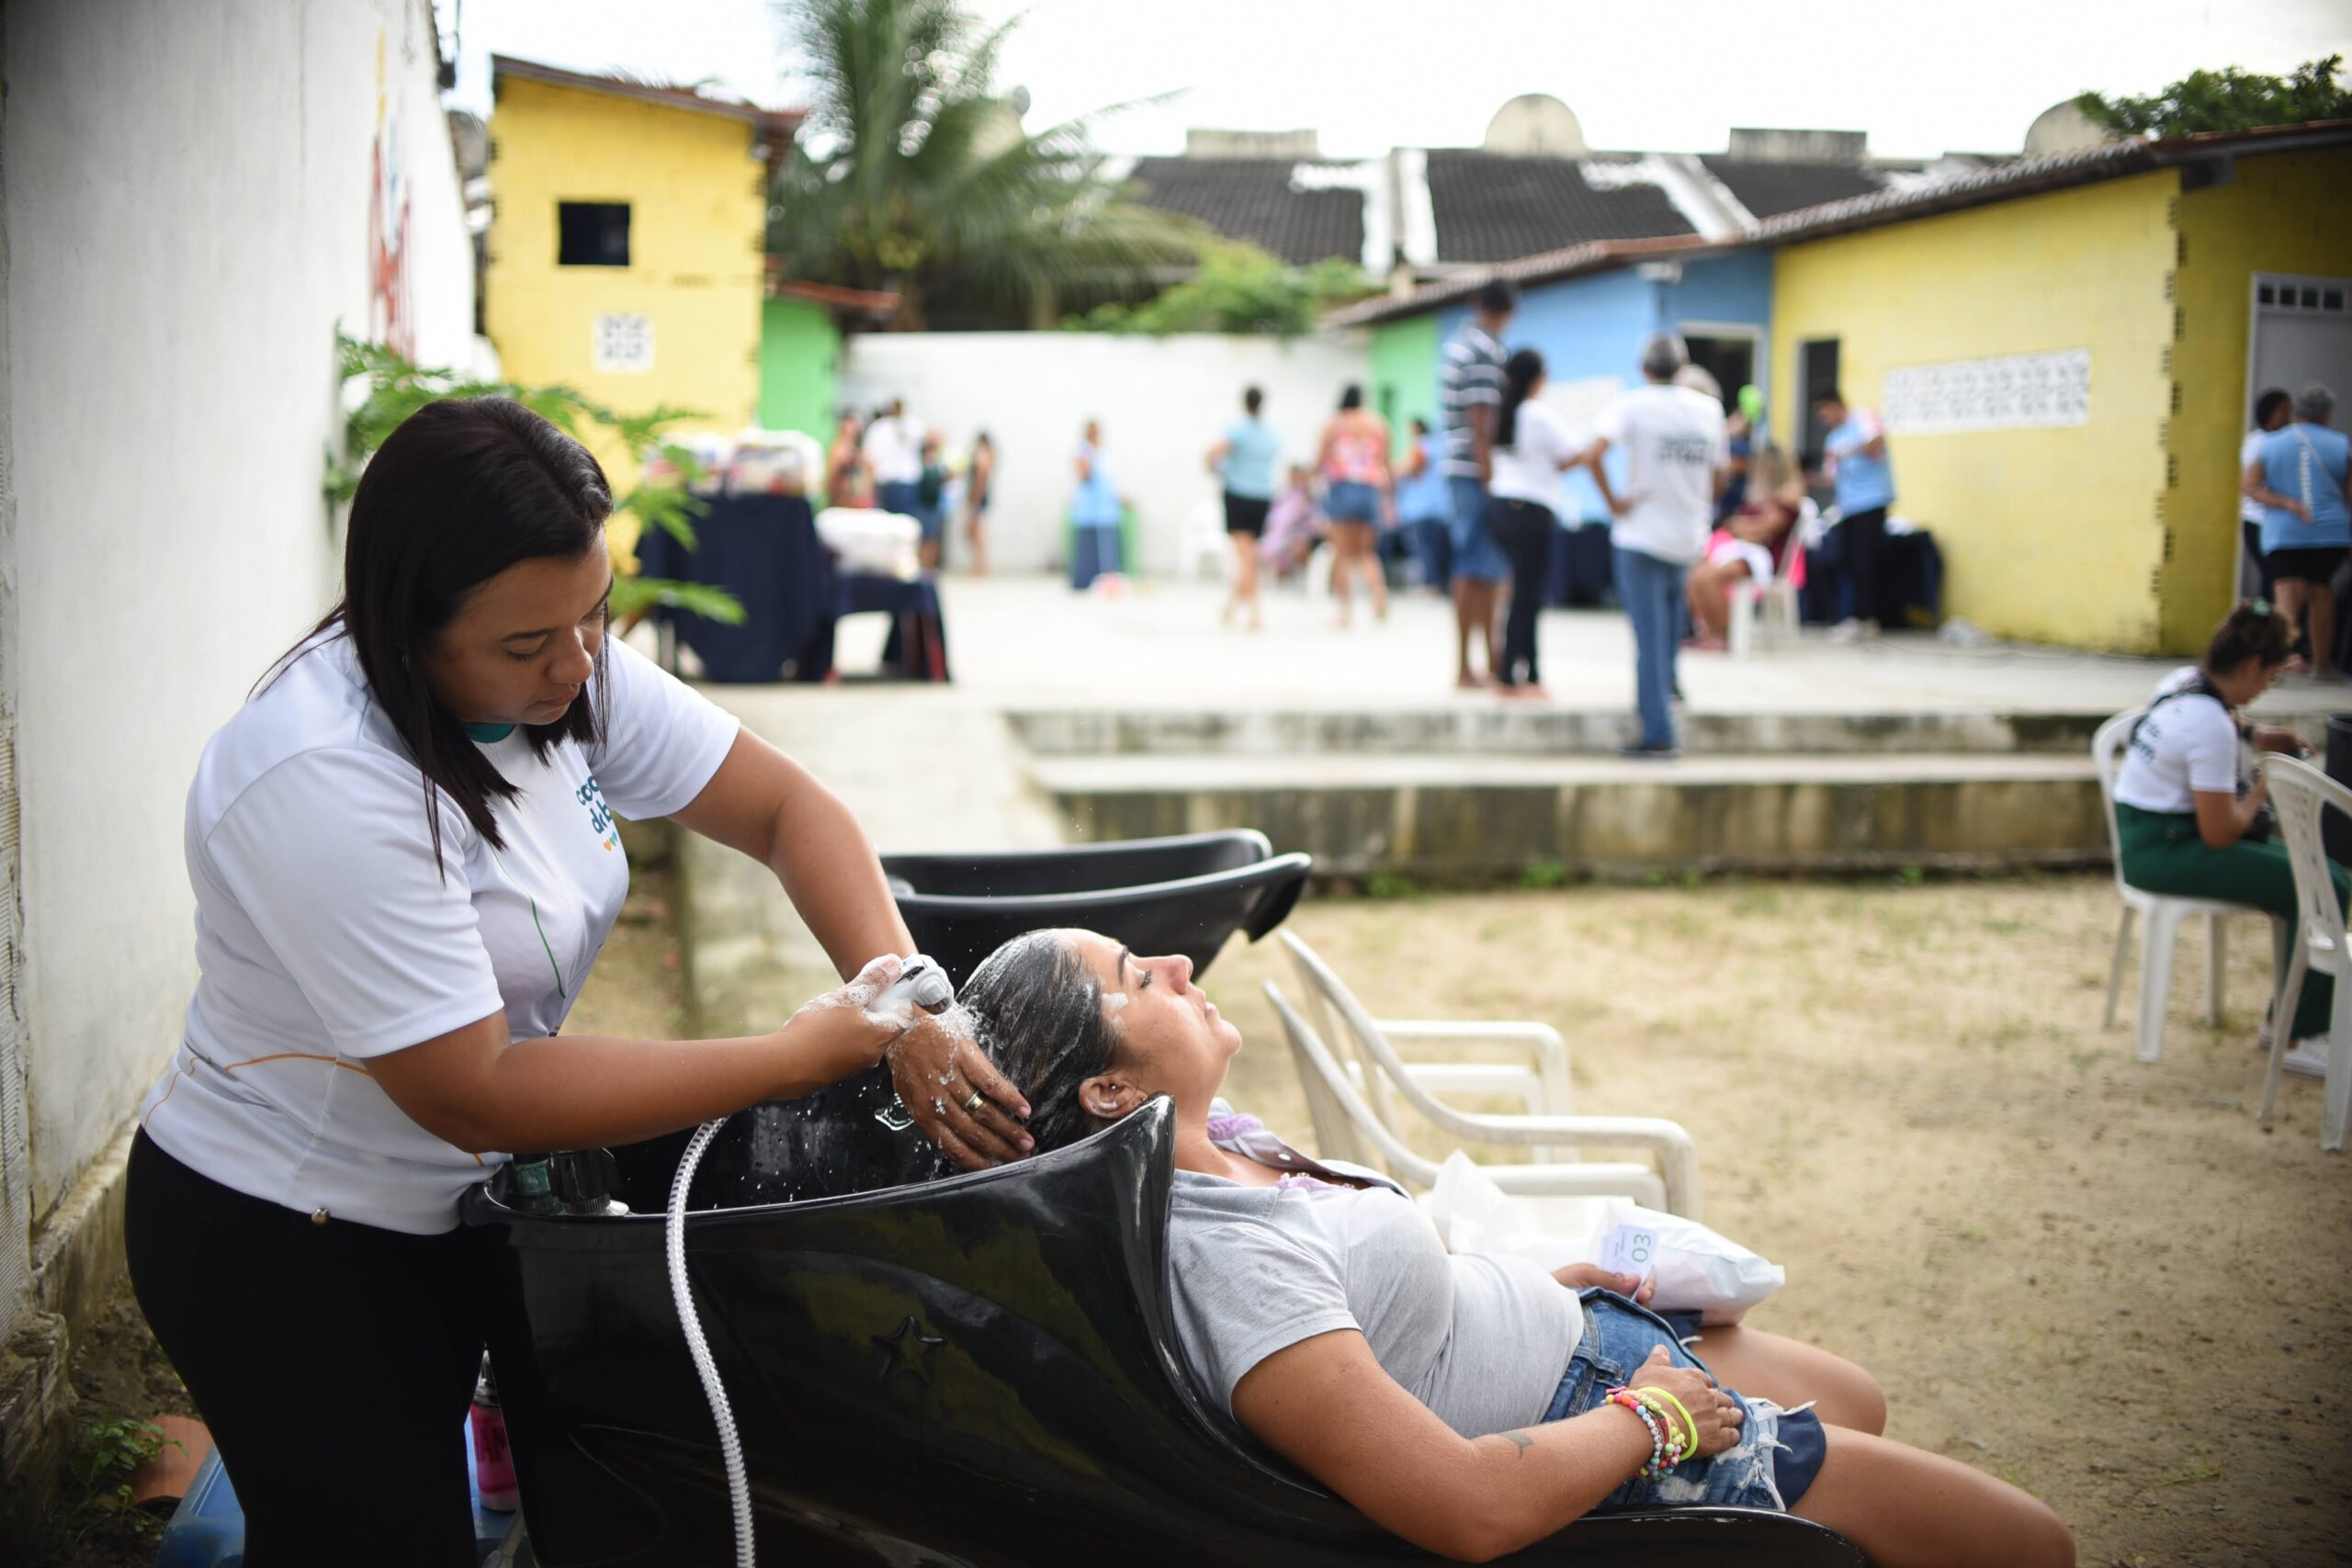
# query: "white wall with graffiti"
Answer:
x=196 y=196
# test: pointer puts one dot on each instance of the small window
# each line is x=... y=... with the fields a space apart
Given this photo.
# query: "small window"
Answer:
x=2266 y=295
x=592 y=233
x=2332 y=300
x=2310 y=298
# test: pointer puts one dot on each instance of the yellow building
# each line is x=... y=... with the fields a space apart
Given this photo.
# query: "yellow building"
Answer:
x=627 y=241
x=2065 y=350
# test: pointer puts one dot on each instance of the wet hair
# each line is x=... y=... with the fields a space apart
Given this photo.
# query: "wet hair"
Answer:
x=2273 y=398
x=2314 y=403
x=464 y=489
x=1351 y=398
x=1520 y=372
x=1252 y=400
x=1496 y=296
x=2255 y=629
x=1662 y=355
x=1036 y=1009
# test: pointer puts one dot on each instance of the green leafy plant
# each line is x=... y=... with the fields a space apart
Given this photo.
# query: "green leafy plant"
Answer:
x=1542 y=874
x=914 y=174
x=107 y=1453
x=1240 y=288
x=396 y=387
x=2227 y=99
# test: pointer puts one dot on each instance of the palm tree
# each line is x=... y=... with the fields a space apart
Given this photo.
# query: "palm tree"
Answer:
x=913 y=176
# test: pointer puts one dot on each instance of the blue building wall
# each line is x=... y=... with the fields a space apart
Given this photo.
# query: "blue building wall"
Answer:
x=1593 y=326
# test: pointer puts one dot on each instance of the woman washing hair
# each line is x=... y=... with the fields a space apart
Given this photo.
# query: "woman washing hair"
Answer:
x=1472 y=1404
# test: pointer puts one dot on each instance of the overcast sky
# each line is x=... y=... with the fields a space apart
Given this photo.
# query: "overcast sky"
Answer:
x=1921 y=78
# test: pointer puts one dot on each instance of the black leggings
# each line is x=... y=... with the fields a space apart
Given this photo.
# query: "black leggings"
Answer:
x=332 y=1362
x=1864 y=535
x=1524 y=530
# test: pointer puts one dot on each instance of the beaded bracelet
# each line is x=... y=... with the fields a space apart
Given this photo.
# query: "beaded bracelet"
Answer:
x=1650 y=1395
x=1658 y=1464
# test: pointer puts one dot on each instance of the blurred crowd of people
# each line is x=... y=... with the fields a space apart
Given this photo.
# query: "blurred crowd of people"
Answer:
x=896 y=463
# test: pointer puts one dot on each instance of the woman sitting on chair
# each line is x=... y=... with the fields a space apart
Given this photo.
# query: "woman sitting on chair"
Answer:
x=1749 y=547
x=2185 y=823
x=1471 y=1404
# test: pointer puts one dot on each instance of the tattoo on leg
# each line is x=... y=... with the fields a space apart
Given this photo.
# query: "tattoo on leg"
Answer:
x=1522 y=1440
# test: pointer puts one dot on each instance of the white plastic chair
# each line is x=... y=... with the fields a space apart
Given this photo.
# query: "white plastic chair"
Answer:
x=2164 y=913
x=1539 y=1081
x=1764 y=614
x=1205 y=553
x=1356 y=1133
x=2303 y=795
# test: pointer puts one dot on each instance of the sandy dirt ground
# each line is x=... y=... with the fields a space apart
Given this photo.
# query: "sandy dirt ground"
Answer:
x=2101 y=1280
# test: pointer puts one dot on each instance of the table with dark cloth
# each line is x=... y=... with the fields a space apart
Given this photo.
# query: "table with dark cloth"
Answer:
x=763 y=549
x=917 y=648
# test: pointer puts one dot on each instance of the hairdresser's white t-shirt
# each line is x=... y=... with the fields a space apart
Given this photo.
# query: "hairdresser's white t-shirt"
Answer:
x=1674 y=440
x=326 y=934
x=1529 y=468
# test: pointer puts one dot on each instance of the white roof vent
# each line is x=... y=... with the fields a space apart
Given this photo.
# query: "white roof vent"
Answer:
x=1535 y=124
x=2063 y=128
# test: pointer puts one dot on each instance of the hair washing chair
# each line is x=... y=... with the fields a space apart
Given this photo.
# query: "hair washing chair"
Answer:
x=978 y=1370
x=1183 y=895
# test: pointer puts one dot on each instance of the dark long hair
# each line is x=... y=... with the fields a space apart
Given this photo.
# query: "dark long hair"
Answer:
x=1036 y=1009
x=463 y=489
x=1520 y=372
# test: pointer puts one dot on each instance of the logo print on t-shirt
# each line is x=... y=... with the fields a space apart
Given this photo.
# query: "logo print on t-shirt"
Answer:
x=600 y=818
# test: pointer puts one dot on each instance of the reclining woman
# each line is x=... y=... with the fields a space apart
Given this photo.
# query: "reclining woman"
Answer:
x=1463 y=1402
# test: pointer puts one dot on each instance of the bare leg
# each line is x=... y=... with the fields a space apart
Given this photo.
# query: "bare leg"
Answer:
x=2319 y=603
x=1710 y=596
x=2289 y=591
x=1343 y=568
x=1245 y=575
x=1789 y=1372
x=1910 y=1509
x=1464 y=604
x=978 y=541
x=1489 y=602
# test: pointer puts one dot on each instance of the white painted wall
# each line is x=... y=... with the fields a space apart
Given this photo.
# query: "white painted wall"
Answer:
x=187 y=193
x=1163 y=402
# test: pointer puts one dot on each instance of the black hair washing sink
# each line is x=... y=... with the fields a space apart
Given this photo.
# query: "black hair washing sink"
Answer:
x=979 y=1371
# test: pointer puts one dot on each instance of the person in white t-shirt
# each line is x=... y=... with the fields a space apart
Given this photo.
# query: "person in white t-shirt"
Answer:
x=1531 y=449
x=893 y=450
x=2272 y=411
x=2186 y=821
x=405 y=863
x=1677 y=458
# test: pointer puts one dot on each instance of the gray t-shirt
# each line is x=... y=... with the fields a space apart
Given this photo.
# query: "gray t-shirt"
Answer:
x=1481 y=1340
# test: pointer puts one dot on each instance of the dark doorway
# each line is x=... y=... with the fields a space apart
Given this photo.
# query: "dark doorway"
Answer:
x=1730 y=360
x=1816 y=372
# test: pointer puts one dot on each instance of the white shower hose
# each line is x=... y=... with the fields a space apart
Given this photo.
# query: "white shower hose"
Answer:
x=731 y=1446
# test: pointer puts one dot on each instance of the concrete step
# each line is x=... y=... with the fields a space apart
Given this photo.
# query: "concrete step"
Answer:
x=1487 y=729
x=1484 y=816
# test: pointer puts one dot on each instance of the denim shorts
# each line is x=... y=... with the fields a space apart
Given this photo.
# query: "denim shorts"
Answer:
x=1475 y=554
x=1352 y=501
x=1779 y=1451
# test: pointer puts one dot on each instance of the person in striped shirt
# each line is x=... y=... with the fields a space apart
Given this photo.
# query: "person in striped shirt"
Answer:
x=1470 y=390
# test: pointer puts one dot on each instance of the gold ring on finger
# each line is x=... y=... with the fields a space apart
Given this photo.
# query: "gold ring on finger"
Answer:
x=972 y=1106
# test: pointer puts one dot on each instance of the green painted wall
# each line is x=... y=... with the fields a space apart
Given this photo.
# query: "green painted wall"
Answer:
x=1403 y=374
x=800 y=354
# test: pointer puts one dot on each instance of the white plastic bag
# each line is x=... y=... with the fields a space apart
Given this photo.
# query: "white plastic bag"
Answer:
x=1698 y=1270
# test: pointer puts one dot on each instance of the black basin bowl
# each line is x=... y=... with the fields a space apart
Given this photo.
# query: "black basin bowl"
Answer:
x=1183 y=895
x=978 y=1372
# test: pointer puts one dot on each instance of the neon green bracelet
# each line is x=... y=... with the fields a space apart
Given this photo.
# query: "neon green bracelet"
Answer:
x=1651 y=1395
